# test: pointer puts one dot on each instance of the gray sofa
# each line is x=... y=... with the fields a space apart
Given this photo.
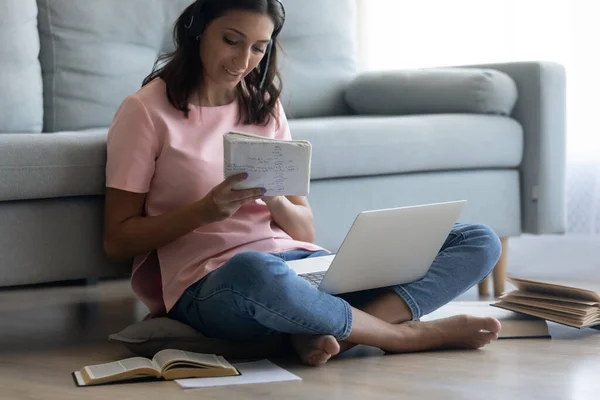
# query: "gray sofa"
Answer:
x=492 y=134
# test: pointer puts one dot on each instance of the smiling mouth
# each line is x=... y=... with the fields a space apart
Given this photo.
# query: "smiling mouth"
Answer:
x=234 y=74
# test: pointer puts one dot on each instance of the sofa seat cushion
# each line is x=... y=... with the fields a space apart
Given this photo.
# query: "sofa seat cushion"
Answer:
x=362 y=146
x=34 y=166
x=47 y=165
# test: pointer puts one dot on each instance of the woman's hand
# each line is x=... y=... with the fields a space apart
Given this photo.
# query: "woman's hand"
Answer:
x=293 y=214
x=223 y=201
x=271 y=200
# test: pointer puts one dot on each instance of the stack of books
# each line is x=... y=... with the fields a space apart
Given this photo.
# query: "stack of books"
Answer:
x=567 y=305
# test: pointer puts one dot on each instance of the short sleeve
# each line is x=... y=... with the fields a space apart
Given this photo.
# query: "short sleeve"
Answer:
x=132 y=147
x=283 y=132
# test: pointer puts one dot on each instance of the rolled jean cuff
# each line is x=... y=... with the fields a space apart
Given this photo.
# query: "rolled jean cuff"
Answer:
x=346 y=332
x=410 y=302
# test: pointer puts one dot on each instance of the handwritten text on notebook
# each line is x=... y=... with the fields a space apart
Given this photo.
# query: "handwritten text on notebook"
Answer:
x=281 y=168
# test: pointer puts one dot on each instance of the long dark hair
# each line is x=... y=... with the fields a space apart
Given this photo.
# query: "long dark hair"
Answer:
x=182 y=68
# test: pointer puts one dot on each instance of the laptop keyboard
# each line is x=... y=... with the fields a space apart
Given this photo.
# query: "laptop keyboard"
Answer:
x=314 y=278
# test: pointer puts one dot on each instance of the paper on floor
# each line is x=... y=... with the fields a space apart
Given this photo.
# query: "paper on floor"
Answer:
x=263 y=371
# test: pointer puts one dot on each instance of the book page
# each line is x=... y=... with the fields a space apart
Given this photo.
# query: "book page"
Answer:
x=571 y=308
x=550 y=316
x=166 y=357
x=282 y=168
x=532 y=295
x=553 y=289
x=118 y=367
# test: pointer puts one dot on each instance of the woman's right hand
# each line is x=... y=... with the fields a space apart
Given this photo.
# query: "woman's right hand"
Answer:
x=223 y=201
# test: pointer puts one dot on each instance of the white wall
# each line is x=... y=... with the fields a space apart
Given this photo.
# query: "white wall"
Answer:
x=398 y=34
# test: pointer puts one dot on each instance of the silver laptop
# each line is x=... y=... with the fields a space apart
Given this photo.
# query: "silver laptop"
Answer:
x=383 y=248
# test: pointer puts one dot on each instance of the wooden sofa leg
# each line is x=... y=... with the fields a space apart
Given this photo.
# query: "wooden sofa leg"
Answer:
x=499 y=272
x=484 y=286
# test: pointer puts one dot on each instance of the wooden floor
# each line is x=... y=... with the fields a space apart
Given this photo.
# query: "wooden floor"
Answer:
x=46 y=333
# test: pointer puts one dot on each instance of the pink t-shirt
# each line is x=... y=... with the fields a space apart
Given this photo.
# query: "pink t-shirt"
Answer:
x=152 y=148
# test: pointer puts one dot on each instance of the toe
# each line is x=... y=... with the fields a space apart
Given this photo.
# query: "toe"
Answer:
x=318 y=359
x=492 y=325
x=329 y=345
x=486 y=338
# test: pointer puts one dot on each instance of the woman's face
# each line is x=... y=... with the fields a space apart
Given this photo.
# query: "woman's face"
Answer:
x=233 y=45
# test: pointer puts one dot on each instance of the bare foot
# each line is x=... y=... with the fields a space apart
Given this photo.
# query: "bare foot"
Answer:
x=315 y=350
x=461 y=331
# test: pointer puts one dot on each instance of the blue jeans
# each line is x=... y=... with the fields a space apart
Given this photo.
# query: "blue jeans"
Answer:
x=255 y=294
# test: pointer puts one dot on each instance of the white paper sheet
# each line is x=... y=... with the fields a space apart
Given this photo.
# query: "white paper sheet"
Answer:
x=263 y=371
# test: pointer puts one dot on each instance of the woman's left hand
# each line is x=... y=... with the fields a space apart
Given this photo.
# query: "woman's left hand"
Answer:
x=269 y=200
x=293 y=215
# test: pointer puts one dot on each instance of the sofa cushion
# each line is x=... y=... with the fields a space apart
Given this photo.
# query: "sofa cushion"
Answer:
x=47 y=165
x=73 y=163
x=95 y=53
x=21 y=101
x=319 y=58
x=150 y=336
x=432 y=91
x=361 y=146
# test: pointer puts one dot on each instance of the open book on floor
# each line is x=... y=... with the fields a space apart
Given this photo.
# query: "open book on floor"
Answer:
x=567 y=305
x=514 y=325
x=167 y=364
x=280 y=166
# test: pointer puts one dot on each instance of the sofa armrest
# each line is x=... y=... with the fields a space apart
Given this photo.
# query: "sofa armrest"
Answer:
x=432 y=91
x=541 y=111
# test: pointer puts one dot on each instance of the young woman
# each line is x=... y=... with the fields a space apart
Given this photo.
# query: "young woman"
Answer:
x=214 y=257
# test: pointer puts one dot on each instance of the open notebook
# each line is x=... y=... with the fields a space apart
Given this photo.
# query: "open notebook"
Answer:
x=282 y=167
x=567 y=305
